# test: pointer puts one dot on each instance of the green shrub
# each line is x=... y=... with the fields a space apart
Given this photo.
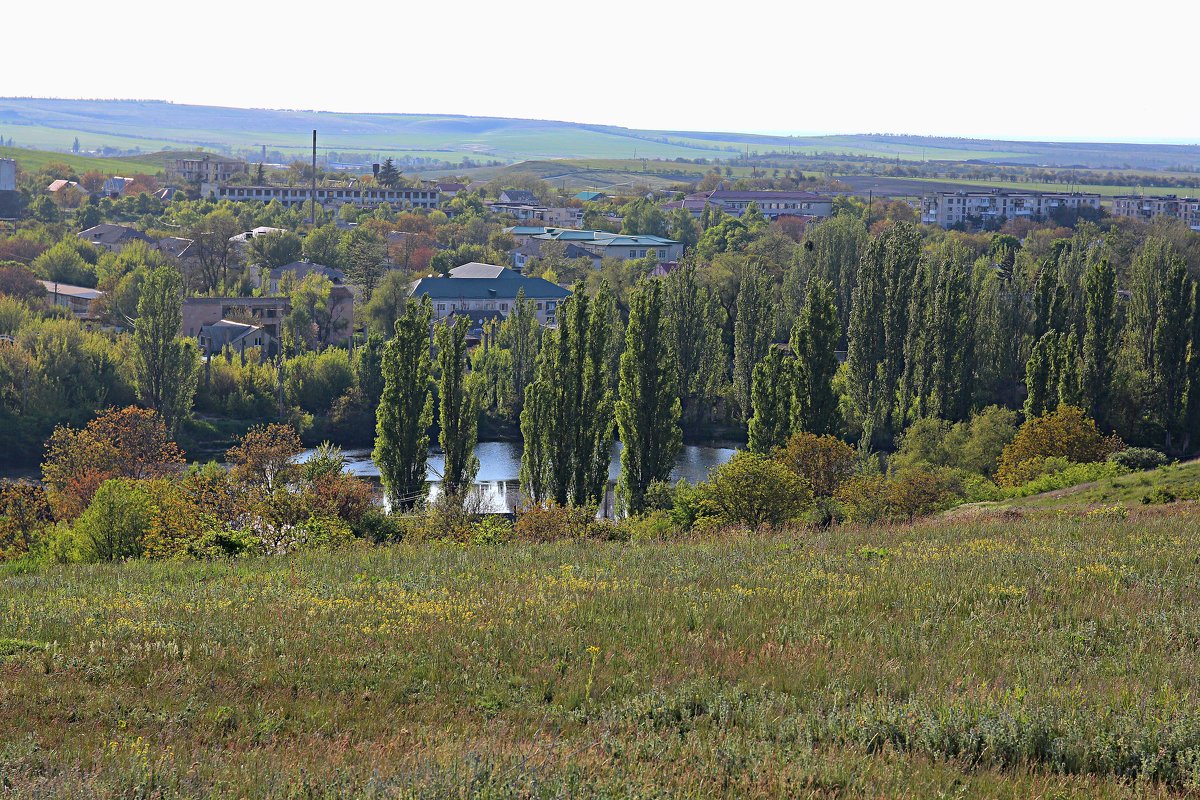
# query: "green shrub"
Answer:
x=655 y=526
x=215 y=544
x=1136 y=459
x=491 y=529
x=1065 y=476
x=114 y=523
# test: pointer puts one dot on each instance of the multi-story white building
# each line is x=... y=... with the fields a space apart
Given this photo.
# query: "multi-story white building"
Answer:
x=1146 y=208
x=989 y=205
x=331 y=197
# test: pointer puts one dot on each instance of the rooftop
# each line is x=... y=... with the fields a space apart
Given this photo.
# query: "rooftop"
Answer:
x=67 y=290
x=486 y=282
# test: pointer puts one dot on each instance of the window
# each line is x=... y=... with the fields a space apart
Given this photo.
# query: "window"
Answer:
x=441 y=307
x=633 y=253
x=504 y=306
x=642 y=254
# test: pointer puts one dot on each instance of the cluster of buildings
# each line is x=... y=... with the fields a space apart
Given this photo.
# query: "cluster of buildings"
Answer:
x=590 y=244
x=948 y=209
x=1146 y=208
x=772 y=204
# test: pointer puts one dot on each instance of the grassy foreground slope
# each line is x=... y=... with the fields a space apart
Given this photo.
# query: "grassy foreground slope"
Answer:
x=985 y=657
x=1175 y=482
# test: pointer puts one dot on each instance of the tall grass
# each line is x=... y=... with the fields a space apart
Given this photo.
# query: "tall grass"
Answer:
x=976 y=657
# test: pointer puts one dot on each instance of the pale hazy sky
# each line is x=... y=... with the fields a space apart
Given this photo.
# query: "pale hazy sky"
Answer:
x=1034 y=69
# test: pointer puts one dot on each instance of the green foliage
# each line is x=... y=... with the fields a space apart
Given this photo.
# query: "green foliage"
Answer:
x=648 y=410
x=814 y=339
x=1136 y=459
x=165 y=366
x=567 y=421
x=405 y=409
x=114 y=523
x=458 y=415
x=755 y=491
x=771 y=399
x=313 y=381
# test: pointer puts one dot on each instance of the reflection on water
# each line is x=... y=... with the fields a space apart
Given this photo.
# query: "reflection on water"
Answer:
x=497 y=485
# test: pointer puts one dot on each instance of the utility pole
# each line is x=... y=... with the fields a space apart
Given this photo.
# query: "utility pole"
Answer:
x=312 y=208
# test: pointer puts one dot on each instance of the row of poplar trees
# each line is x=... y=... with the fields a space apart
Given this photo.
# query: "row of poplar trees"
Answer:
x=570 y=405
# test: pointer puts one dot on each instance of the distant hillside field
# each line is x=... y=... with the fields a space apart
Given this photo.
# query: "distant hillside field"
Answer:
x=34 y=160
x=154 y=125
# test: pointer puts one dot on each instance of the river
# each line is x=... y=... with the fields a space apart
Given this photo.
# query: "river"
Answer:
x=497 y=484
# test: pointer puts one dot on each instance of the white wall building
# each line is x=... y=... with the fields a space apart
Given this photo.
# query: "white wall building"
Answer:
x=951 y=208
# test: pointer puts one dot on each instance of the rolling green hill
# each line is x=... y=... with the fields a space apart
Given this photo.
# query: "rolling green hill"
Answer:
x=149 y=126
x=35 y=160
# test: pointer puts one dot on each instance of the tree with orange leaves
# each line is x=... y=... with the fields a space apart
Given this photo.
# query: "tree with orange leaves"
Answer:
x=128 y=442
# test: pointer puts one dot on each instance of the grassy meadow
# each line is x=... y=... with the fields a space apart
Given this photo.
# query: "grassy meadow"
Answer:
x=998 y=656
x=35 y=160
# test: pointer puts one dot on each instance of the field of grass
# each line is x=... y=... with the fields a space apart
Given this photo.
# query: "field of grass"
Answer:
x=990 y=657
x=1033 y=186
x=34 y=160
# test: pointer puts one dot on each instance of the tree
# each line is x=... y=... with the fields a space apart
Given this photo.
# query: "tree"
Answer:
x=568 y=418
x=752 y=329
x=1041 y=376
x=165 y=367
x=388 y=175
x=387 y=303
x=274 y=249
x=114 y=523
x=648 y=410
x=520 y=335
x=694 y=315
x=1099 y=338
x=1191 y=410
x=364 y=253
x=755 y=490
x=323 y=245
x=1170 y=350
x=879 y=320
x=771 y=398
x=823 y=462
x=458 y=417
x=120 y=443
x=405 y=410
x=264 y=456
x=814 y=339
x=214 y=253
x=1066 y=432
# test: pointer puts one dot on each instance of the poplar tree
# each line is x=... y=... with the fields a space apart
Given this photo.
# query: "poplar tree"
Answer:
x=814 y=340
x=648 y=410
x=1169 y=357
x=694 y=316
x=879 y=324
x=752 y=329
x=520 y=334
x=1069 y=371
x=1099 y=337
x=405 y=409
x=458 y=416
x=771 y=398
x=1191 y=409
x=1149 y=275
x=567 y=423
x=166 y=368
x=1041 y=376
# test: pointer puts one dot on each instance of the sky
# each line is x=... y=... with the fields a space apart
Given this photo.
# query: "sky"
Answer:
x=1048 y=70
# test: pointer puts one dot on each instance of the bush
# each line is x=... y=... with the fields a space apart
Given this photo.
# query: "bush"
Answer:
x=824 y=462
x=1063 y=476
x=553 y=522
x=377 y=526
x=754 y=490
x=492 y=529
x=1136 y=459
x=1066 y=432
x=114 y=523
x=215 y=544
x=972 y=446
x=656 y=526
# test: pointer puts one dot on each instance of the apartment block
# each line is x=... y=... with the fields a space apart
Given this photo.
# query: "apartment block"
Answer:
x=970 y=208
